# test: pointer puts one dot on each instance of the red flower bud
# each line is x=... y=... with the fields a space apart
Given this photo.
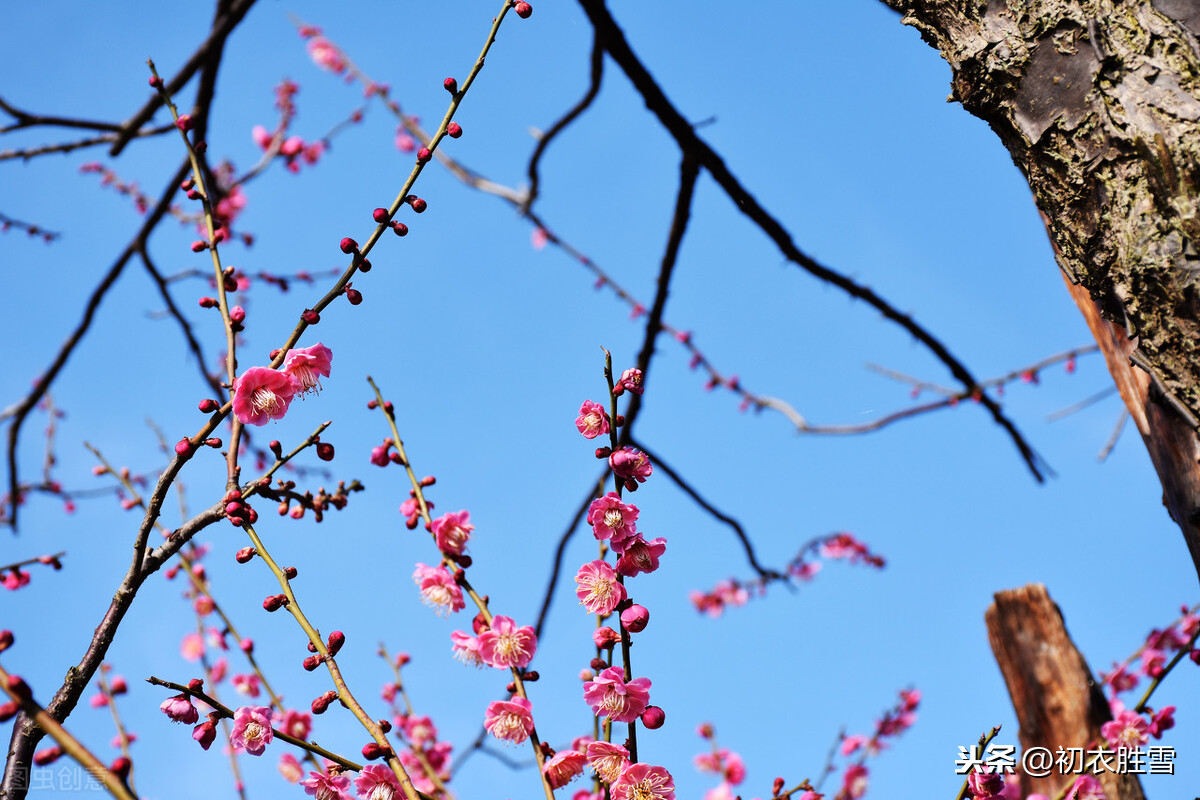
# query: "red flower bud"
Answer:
x=325 y=451
x=311 y=317
x=214 y=443
x=524 y=10
x=199 y=246
x=184 y=123
x=380 y=215
x=311 y=663
x=603 y=452
x=400 y=228
x=290 y=572
x=156 y=81
x=635 y=618
x=121 y=766
x=6 y=640
x=454 y=130
x=354 y=296
x=209 y=405
x=183 y=446
x=423 y=155
x=418 y=205
x=653 y=717
x=450 y=85
x=276 y=448
x=349 y=245
x=8 y=711
x=364 y=265
x=208 y=302
x=336 y=640
x=374 y=750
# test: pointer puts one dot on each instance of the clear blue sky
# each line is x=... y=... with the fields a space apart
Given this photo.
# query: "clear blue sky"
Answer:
x=834 y=116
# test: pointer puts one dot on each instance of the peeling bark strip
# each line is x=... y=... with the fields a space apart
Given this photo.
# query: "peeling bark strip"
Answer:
x=1098 y=102
x=1057 y=702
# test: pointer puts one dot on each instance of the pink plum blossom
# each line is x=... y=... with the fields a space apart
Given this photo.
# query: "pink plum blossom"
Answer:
x=1127 y=730
x=612 y=519
x=261 y=394
x=327 y=787
x=592 y=420
x=325 y=54
x=599 y=590
x=1161 y=721
x=564 y=767
x=294 y=723
x=252 y=729
x=438 y=589
x=510 y=720
x=644 y=782
x=290 y=768
x=180 y=709
x=640 y=556
x=630 y=463
x=610 y=695
x=504 y=645
x=607 y=759
x=1085 y=787
x=192 y=647
x=854 y=781
x=377 y=782
x=307 y=366
x=452 y=531
x=419 y=730
x=631 y=380
x=466 y=648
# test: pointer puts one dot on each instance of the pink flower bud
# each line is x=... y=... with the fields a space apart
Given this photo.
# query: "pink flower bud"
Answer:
x=380 y=215
x=214 y=442
x=237 y=314
x=635 y=618
x=349 y=245
x=310 y=317
x=205 y=733
x=208 y=302
x=400 y=228
x=275 y=602
x=418 y=205
x=9 y=710
x=48 y=756
x=183 y=446
x=653 y=717
x=450 y=85
x=423 y=155
x=524 y=10
x=247 y=646
x=199 y=246
x=184 y=123
x=321 y=703
x=374 y=750
x=209 y=405
x=454 y=130
x=156 y=81
x=605 y=637
x=311 y=663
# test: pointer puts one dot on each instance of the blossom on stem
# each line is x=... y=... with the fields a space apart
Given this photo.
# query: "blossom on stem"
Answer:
x=610 y=695
x=466 y=649
x=377 y=782
x=325 y=54
x=261 y=394
x=1127 y=730
x=564 y=767
x=607 y=759
x=510 y=720
x=854 y=781
x=592 y=420
x=599 y=591
x=251 y=729
x=611 y=519
x=631 y=380
x=452 y=531
x=180 y=709
x=327 y=787
x=438 y=589
x=629 y=463
x=504 y=645
x=641 y=556
x=644 y=782
x=307 y=366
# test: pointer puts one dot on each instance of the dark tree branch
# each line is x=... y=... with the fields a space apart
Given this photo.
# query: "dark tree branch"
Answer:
x=228 y=15
x=184 y=325
x=67 y=147
x=763 y=572
x=24 y=119
x=685 y=136
x=30 y=401
x=595 y=75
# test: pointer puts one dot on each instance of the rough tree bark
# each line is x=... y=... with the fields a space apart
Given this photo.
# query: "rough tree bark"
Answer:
x=1098 y=102
x=1058 y=703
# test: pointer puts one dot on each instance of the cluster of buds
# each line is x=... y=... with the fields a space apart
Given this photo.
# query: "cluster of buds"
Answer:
x=237 y=511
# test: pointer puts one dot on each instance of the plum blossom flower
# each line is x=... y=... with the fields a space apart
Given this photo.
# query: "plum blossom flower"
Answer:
x=504 y=645
x=261 y=394
x=539 y=238
x=644 y=782
x=180 y=709
x=327 y=787
x=466 y=648
x=377 y=782
x=854 y=781
x=452 y=531
x=252 y=729
x=630 y=463
x=294 y=723
x=564 y=767
x=326 y=55
x=1161 y=721
x=307 y=366
x=631 y=380
x=641 y=556
x=592 y=420
x=985 y=784
x=1085 y=787
x=1127 y=730
x=290 y=768
x=599 y=590
x=438 y=589
x=612 y=519
x=610 y=695
x=510 y=720
x=192 y=647
x=419 y=730
x=607 y=759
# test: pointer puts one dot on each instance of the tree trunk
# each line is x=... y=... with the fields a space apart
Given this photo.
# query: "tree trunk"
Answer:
x=1058 y=704
x=1098 y=102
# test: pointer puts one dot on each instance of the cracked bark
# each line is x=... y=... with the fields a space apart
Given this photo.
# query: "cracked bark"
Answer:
x=1098 y=102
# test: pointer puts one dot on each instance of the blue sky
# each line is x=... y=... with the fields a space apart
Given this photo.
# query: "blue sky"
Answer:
x=835 y=119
